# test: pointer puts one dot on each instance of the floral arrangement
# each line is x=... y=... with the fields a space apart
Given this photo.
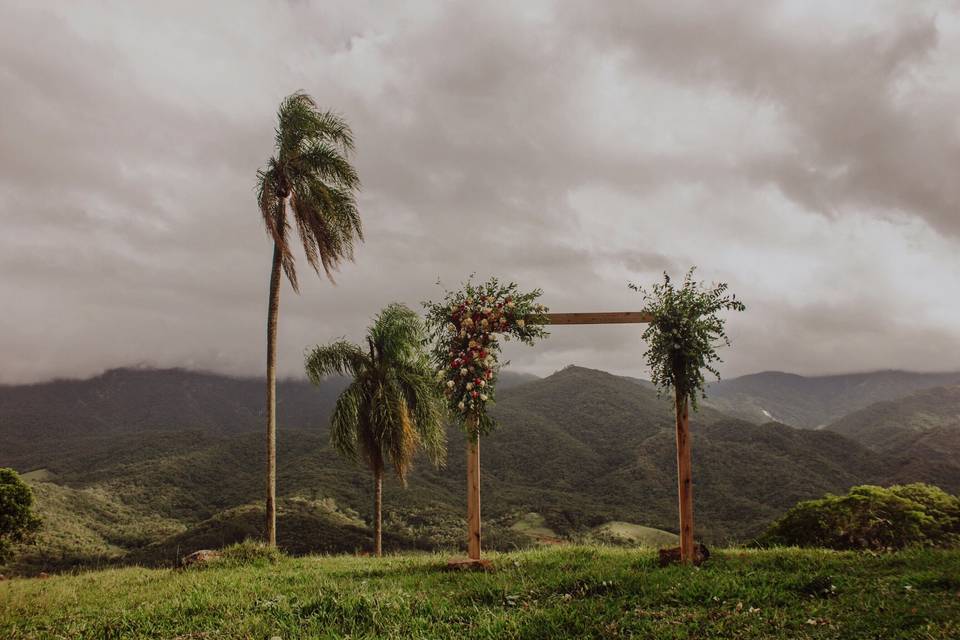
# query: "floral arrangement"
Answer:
x=466 y=327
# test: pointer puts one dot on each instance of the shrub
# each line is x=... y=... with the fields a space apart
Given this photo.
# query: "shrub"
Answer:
x=871 y=517
x=250 y=552
x=18 y=522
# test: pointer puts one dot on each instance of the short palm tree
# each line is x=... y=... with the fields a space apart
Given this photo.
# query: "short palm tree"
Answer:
x=310 y=172
x=392 y=408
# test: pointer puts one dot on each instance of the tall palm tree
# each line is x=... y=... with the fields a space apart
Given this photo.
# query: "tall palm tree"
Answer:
x=392 y=408
x=311 y=173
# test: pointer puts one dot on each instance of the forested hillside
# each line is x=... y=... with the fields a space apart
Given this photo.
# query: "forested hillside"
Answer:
x=116 y=473
x=814 y=401
x=921 y=432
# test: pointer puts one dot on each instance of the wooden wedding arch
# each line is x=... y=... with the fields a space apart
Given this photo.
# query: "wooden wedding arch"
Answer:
x=684 y=471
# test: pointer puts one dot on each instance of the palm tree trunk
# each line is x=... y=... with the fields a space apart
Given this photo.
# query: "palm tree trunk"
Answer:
x=378 y=512
x=272 y=314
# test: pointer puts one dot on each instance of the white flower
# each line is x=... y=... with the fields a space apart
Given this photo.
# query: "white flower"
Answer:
x=483 y=397
x=469 y=386
x=483 y=383
x=461 y=406
x=463 y=372
x=450 y=384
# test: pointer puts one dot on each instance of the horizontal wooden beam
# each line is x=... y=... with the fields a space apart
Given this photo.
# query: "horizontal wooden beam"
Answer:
x=608 y=317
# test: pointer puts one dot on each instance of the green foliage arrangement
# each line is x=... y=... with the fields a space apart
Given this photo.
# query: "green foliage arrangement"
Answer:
x=18 y=522
x=465 y=328
x=873 y=518
x=684 y=333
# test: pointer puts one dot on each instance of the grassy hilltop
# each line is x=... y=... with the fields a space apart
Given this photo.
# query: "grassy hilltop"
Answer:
x=582 y=592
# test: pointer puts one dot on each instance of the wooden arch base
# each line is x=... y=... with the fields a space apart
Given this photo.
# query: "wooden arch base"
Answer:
x=473 y=561
x=469 y=564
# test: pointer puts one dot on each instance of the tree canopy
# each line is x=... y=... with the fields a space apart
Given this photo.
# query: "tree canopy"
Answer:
x=18 y=522
x=872 y=517
x=311 y=167
x=393 y=406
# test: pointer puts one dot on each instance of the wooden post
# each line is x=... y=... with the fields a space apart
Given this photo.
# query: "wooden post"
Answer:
x=684 y=479
x=473 y=496
x=473 y=560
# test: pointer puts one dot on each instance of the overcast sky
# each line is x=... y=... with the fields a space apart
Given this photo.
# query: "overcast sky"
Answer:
x=807 y=153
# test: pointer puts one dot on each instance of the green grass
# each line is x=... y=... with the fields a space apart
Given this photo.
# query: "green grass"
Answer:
x=629 y=533
x=38 y=475
x=535 y=526
x=582 y=592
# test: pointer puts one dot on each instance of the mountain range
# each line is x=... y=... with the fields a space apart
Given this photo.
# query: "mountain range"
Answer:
x=813 y=402
x=146 y=465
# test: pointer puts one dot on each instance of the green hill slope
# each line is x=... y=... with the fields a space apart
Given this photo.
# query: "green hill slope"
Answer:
x=884 y=425
x=921 y=432
x=815 y=401
x=580 y=448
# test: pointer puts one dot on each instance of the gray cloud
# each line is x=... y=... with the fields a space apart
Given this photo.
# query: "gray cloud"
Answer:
x=802 y=152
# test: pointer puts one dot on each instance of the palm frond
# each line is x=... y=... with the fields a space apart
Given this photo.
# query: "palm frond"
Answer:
x=272 y=209
x=397 y=437
x=297 y=121
x=328 y=223
x=426 y=406
x=340 y=357
x=346 y=420
x=398 y=333
x=322 y=160
x=267 y=199
x=335 y=129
